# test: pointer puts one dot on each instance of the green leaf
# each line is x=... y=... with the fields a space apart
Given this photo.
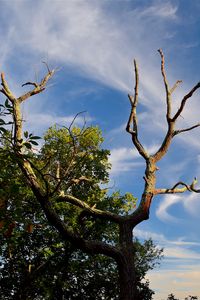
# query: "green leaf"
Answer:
x=7 y=105
x=28 y=145
x=33 y=142
x=2 y=122
x=26 y=134
x=2 y=129
x=34 y=137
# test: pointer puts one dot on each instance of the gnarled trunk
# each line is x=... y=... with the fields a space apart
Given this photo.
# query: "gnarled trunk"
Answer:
x=126 y=266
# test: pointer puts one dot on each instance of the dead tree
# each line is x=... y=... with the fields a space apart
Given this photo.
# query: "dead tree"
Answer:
x=123 y=253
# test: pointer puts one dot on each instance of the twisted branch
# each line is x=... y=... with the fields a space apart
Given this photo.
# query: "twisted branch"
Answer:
x=176 y=190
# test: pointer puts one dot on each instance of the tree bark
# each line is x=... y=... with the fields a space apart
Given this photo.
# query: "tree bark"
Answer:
x=126 y=265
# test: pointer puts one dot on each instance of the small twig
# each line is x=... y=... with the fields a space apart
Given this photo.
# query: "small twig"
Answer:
x=46 y=64
x=186 y=129
x=74 y=119
x=184 y=100
x=175 y=86
x=30 y=83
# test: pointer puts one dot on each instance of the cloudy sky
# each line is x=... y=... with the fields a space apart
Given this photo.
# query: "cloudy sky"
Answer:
x=93 y=43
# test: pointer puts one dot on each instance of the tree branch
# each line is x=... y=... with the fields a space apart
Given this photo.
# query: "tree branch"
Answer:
x=176 y=190
x=132 y=121
x=184 y=100
x=175 y=86
x=168 y=93
x=30 y=83
x=186 y=129
x=38 y=87
x=6 y=90
x=168 y=137
x=89 y=246
x=91 y=210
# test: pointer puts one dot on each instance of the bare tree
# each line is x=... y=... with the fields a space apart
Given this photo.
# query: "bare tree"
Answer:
x=123 y=252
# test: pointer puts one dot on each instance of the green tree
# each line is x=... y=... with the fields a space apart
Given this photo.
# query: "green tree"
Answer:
x=35 y=260
x=51 y=196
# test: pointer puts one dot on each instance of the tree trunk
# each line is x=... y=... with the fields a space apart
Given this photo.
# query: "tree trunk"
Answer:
x=126 y=266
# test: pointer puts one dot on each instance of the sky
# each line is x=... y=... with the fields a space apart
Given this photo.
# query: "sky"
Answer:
x=92 y=44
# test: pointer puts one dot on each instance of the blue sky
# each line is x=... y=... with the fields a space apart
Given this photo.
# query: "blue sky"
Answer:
x=93 y=43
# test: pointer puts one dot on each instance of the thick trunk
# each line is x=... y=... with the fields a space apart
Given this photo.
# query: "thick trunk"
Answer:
x=127 y=278
x=126 y=266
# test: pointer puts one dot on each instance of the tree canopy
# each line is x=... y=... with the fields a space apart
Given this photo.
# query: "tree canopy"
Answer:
x=35 y=262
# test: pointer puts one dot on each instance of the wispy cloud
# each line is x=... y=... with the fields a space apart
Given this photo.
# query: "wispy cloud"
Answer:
x=180 y=281
x=86 y=35
x=190 y=202
x=158 y=237
x=167 y=202
x=124 y=158
x=161 y=10
x=179 y=272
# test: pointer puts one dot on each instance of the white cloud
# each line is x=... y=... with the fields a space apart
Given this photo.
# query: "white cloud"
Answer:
x=180 y=281
x=97 y=42
x=86 y=35
x=190 y=202
x=166 y=203
x=124 y=158
x=143 y=234
x=178 y=273
x=161 y=10
x=39 y=122
x=180 y=253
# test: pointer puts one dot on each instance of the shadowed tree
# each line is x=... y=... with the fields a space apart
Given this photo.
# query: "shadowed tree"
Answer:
x=49 y=192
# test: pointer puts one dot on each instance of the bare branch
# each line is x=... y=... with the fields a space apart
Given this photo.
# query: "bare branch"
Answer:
x=175 y=189
x=132 y=121
x=134 y=102
x=186 y=129
x=30 y=83
x=74 y=119
x=6 y=90
x=91 y=210
x=175 y=86
x=171 y=123
x=38 y=87
x=184 y=100
x=46 y=64
x=168 y=94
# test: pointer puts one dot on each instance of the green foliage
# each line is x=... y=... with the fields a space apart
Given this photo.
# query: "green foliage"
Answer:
x=5 y=111
x=35 y=262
